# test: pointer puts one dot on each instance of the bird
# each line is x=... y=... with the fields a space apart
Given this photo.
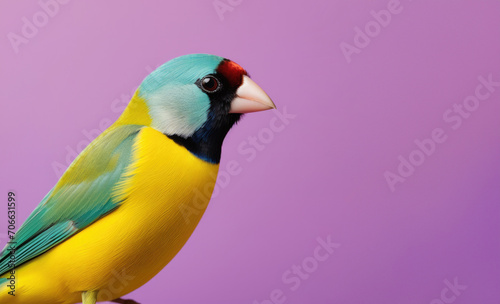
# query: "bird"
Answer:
x=127 y=204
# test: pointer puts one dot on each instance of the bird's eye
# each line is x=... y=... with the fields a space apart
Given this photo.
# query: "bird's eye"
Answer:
x=210 y=84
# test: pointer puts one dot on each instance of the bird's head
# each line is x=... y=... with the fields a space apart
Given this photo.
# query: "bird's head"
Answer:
x=195 y=100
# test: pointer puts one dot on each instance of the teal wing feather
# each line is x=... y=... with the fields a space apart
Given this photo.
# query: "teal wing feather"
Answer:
x=83 y=195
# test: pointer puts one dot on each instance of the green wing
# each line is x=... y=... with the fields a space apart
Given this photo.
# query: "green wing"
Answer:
x=82 y=196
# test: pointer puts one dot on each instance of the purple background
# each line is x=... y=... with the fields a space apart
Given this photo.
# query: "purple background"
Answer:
x=322 y=174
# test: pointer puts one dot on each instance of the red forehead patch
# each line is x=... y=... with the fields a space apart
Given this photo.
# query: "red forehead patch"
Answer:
x=232 y=71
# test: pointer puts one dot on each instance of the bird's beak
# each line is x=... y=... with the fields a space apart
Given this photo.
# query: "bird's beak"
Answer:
x=250 y=98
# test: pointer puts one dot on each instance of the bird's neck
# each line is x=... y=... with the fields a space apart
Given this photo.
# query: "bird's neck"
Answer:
x=205 y=143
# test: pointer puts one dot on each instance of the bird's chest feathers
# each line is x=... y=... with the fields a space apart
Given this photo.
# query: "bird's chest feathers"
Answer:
x=166 y=189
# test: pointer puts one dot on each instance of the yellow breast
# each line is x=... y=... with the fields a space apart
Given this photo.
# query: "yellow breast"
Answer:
x=163 y=201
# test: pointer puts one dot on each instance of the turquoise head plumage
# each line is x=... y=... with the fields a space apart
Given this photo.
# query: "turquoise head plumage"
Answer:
x=195 y=100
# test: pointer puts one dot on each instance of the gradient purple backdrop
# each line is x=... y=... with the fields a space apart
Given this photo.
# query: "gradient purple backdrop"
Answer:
x=322 y=174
